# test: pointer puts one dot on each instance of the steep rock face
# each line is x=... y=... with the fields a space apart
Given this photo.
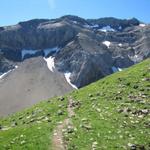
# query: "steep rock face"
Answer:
x=88 y=49
x=118 y=24
x=36 y=36
x=85 y=59
x=5 y=64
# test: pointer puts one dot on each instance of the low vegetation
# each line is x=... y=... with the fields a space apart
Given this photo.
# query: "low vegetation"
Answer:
x=112 y=114
x=33 y=128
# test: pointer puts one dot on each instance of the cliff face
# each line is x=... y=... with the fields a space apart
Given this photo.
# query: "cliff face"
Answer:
x=88 y=49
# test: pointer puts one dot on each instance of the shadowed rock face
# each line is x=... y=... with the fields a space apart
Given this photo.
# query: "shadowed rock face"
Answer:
x=36 y=35
x=88 y=48
x=5 y=64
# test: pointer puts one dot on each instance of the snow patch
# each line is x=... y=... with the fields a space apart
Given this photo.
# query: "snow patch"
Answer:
x=142 y=25
x=33 y=52
x=50 y=50
x=107 y=43
x=50 y=63
x=70 y=43
x=120 y=45
x=91 y=26
x=75 y=22
x=67 y=76
x=107 y=29
x=116 y=69
x=120 y=27
x=4 y=74
x=87 y=26
x=28 y=52
x=95 y=26
x=119 y=69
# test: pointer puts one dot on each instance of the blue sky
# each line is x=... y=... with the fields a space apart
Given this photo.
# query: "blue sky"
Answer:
x=13 y=11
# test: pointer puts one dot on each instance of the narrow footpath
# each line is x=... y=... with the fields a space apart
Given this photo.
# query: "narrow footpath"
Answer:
x=57 y=140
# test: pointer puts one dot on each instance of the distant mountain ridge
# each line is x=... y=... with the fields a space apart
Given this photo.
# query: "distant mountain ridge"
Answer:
x=81 y=39
x=82 y=50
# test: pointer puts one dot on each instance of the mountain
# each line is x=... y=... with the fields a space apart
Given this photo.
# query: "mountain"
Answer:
x=112 y=113
x=80 y=51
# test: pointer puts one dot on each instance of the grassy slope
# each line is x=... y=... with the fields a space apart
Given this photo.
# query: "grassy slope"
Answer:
x=108 y=118
x=34 y=127
x=101 y=124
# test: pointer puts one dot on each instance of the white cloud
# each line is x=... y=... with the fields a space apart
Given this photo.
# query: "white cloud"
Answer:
x=51 y=4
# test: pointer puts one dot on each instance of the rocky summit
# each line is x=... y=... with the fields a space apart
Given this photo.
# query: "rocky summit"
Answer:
x=77 y=52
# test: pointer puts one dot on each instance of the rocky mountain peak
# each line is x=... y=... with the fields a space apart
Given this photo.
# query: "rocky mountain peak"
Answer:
x=88 y=48
x=43 y=58
x=74 y=19
x=32 y=23
x=118 y=24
